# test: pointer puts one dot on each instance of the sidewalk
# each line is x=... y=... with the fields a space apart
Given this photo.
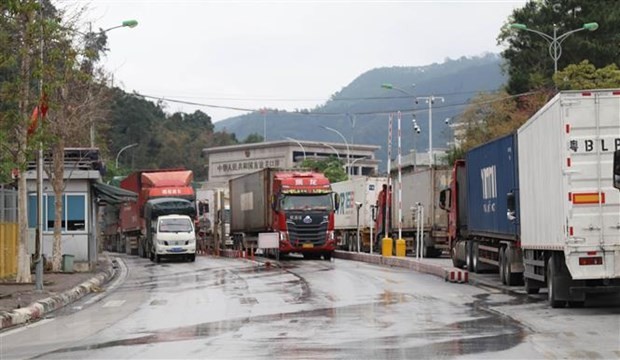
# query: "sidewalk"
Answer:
x=20 y=303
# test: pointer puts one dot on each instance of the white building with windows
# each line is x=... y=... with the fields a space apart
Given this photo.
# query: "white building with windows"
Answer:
x=227 y=162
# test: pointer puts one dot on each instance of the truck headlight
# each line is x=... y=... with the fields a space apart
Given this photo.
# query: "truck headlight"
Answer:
x=283 y=236
x=331 y=236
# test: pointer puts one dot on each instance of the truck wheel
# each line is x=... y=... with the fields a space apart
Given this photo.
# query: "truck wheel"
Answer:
x=529 y=286
x=455 y=261
x=192 y=258
x=511 y=279
x=553 y=283
x=327 y=256
x=469 y=255
x=475 y=262
x=502 y=264
x=152 y=255
x=157 y=258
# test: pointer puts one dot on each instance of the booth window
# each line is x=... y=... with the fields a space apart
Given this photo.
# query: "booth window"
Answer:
x=73 y=212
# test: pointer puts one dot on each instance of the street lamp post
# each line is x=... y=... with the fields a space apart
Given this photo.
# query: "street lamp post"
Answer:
x=555 y=41
x=333 y=148
x=123 y=149
x=300 y=145
x=264 y=112
x=91 y=39
x=356 y=160
x=358 y=206
x=346 y=143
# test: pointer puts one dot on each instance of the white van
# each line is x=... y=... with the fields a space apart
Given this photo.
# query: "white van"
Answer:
x=174 y=235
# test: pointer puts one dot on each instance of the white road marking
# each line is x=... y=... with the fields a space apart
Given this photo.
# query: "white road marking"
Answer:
x=114 y=303
x=33 y=325
x=94 y=299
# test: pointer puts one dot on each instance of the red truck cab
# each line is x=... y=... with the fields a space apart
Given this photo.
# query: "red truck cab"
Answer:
x=304 y=213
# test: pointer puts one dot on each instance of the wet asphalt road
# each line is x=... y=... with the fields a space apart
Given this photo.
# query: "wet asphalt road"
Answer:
x=226 y=308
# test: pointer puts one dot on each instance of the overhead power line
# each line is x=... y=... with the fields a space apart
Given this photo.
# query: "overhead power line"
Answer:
x=308 y=113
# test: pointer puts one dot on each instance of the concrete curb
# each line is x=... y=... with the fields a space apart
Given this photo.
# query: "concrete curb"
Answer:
x=447 y=273
x=42 y=307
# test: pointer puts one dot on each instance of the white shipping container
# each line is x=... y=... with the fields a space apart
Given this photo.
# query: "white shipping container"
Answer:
x=423 y=187
x=362 y=189
x=567 y=200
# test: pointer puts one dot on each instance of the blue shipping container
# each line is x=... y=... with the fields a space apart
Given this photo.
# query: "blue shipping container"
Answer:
x=491 y=174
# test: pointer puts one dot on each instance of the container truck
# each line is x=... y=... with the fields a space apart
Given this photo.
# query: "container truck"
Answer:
x=214 y=216
x=480 y=236
x=297 y=205
x=170 y=231
x=555 y=181
x=357 y=193
x=566 y=205
x=149 y=184
x=420 y=190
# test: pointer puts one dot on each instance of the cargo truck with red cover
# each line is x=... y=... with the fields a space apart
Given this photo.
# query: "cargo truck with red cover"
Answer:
x=297 y=205
x=149 y=184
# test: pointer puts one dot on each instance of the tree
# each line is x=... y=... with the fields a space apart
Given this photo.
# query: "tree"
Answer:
x=332 y=168
x=490 y=116
x=253 y=138
x=586 y=76
x=19 y=36
x=75 y=98
x=528 y=63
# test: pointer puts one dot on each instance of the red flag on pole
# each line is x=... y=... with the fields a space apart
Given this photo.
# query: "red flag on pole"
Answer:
x=39 y=111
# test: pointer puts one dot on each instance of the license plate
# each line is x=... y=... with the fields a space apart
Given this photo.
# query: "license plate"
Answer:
x=307 y=246
x=176 y=249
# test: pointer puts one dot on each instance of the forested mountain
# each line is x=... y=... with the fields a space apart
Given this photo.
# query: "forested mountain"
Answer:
x=164 y=141
x=360 y=109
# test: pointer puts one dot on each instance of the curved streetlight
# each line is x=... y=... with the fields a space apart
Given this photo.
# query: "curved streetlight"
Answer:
x=555 y=41
x=333 y=148
x=345 y=142
x=300 y=145
x=123 y=149
x=356 y=160
x=91 y=39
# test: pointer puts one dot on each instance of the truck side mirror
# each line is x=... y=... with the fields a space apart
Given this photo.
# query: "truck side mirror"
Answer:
x=274 y=203
x=444 y=199
x=511 y=205
x=336 y=201
x=616 y=169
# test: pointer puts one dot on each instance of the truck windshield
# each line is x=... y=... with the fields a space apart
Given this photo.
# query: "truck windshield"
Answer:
x=175 y=225
x=310 y=201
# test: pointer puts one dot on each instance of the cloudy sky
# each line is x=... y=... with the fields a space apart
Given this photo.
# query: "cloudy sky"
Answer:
x=281 y=54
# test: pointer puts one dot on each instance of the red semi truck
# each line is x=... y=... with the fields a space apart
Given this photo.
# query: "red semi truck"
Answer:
x=297 y=205
x=149 y=184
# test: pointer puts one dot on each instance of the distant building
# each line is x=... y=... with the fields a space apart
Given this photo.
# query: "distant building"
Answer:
x=227 y=162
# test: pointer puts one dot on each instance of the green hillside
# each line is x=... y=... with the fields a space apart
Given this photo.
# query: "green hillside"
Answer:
x=365 y=101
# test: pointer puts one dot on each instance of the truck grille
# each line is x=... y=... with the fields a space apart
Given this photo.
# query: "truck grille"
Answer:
x=304 y=228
